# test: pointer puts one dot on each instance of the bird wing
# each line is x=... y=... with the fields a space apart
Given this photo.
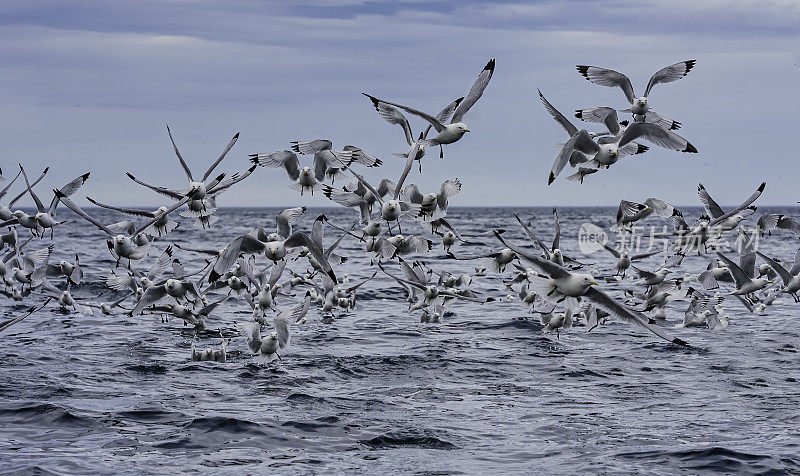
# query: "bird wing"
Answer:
x=281 y=158
x=288 y=218
x=400 y=280
x=160 y=265
x=22 y=193
x=221 y=156
x=546 y=266
x=582 y=142
x=606 y=115
x=662 y=209
x=603 y=301
x=299 y=238
x=39 y=205
x=532 y=236
x=127 y=211
x=251 y=331
x=68 y=190
x=669 y=74
x=796 y=266
x=712 y=208
x=362 y=158
x=560 y=118
x=432 y=120
x=752 y=198
x=226 y=184
x=393 y=116
x=475 y=92
x=657 y=135
x=169 y=210
x=739 y=276
x=412 y=153
x=747 y=254
x=8 y=186
x=78 y=211
x=174 y=194
x=557 y=237
x=152 y=295
x=448 y=189
x=244 y=244
x=608 y=77
x=180 y=157
x=780 y=270
x=308 y=147
x=612 y=250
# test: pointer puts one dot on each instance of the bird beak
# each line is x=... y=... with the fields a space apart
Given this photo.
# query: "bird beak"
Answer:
x=594 y=283
x=466 y=130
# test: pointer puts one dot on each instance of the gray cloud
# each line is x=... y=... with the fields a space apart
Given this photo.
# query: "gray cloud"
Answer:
x=91 y=85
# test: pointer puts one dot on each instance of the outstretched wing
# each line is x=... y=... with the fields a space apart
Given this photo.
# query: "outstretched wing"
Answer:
x=475 y=92
x=669 y=74
x=608 y=77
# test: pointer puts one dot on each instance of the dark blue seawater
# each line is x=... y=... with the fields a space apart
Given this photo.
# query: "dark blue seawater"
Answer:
x=375 y=391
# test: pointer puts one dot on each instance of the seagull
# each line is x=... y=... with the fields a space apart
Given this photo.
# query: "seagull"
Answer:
x=746 y=284
x=640 y=108
x=631 y=212
x=211 y=354
x=449 y=133
x=791 y=278
x=45 y=217
x=581 y=146
x=258 y=241
x=266 y=349
x=329 y=163
x=121 y=245
x=624 y=258
x=395 y=208
x=171 y=287
x=5 y=210
x=162 y=225
x=555 y=280
x=433 y=205
x=769 y=222
x=393 y=116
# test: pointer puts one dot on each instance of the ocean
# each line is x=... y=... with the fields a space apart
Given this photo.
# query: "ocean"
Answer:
x=376 y=391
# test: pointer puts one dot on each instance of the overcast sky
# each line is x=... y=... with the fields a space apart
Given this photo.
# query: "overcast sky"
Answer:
x=89 y=87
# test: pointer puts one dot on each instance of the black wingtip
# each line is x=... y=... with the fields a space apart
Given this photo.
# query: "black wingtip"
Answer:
x=690 y=148
x=680 y=342
x=59 y=193
x=213 y=276
x=641 y=149
x=332 y=275
x=675 y=126
x=762 y=186
x=85 y=176
x=579 y=113
x=375 y=101
x=583 y=69
x=130 y=175
x=624 y=123
x=689 y=65
x=551 y=178
x=251 y=169
x=489 y=66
